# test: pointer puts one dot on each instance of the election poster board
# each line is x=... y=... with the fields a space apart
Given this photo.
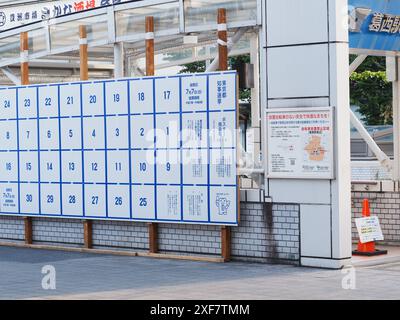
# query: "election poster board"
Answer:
x=144 y=149
x=300 y=143
x=369 y=229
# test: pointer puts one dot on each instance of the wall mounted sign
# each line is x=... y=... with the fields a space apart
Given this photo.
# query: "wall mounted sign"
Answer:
x=374 y=25
x=16 y=16
x=145 y=149
x=300 y=143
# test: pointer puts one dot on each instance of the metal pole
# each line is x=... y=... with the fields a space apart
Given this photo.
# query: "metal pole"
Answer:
x=119 y=60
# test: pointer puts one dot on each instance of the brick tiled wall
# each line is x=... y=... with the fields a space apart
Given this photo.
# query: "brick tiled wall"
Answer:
x=11 y=228
x=120 y=234
x=385 y=205
x=64 y=231
x=266 y=233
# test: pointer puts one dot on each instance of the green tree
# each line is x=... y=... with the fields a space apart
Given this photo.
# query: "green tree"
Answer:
x=371 y=63
x=371 y=91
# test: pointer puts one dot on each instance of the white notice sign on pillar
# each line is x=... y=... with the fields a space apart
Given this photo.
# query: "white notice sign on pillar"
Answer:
x=300 y=143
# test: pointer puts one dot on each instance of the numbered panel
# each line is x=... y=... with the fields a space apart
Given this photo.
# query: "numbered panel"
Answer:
x=71 y=134
x=94 y=166
x=50 y=199
x=8 y=104
x=8 y=166
x=167 y=95
x=117 y=132
x=28 y=135
x=48 y=101
x=70 y=100
x=143 y=206
x=29 y=201
x=49 y=134
x=118 y=166
x=72 y=200
x=95 y=201
x=8 y=135
x=93 y=133
x=142 y=167
x=49 y=166
x=142 y=132
x=116 y=97
x=92 y=99
x=141 y=96
x=29 y=166
x=168 y=131
x=71 y=166
x=27 y=102
x=119 y=202
x=168 y=166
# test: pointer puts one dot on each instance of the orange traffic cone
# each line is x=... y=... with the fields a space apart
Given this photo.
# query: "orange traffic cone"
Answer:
x=368 y=248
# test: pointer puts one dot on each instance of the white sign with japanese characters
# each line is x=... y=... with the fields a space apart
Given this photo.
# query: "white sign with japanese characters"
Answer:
x=16 y=16
x=300 y=143
x=144 y=149
x=369 y=229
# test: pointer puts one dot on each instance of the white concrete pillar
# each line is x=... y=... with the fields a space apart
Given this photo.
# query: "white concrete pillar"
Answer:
x=307 y=66
x=119 y=63
x=393 y=76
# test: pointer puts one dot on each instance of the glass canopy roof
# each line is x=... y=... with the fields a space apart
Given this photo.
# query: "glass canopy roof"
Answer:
x=57 y=38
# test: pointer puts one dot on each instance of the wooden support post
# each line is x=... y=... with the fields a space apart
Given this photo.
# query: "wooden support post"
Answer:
x=149 y=46
x=87 y=234
x=222 y=40
x=83 y=53
x=84 y=75
x=223 y=65
x=24 y=47
x=226 y=243
x=28 y=230
x=153 y=227
x=153 y=237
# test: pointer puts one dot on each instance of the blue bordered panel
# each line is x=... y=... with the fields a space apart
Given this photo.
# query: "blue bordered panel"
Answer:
x=137 y=149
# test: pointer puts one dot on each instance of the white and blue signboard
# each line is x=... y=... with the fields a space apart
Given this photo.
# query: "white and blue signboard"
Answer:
x=144 y=149
x=374 y=25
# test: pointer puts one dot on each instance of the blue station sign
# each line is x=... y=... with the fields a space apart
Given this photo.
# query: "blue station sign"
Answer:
x=374 y=25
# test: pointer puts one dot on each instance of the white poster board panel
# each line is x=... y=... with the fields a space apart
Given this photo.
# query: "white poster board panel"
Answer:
x=300 y=143
x=145 y=149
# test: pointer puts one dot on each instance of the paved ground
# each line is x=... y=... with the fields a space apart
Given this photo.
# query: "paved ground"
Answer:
x=90 y=276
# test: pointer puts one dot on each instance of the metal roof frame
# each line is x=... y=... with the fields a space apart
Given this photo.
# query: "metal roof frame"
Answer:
x=42 y=31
